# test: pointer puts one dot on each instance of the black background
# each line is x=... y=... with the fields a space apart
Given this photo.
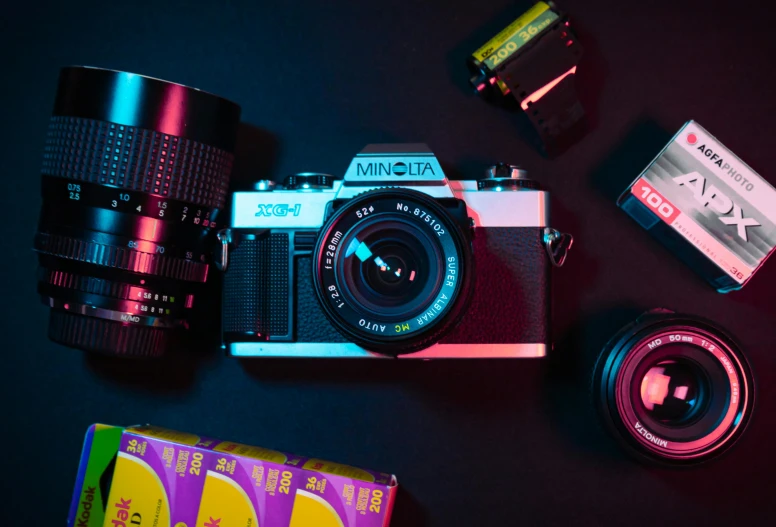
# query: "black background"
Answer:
x=472 y=443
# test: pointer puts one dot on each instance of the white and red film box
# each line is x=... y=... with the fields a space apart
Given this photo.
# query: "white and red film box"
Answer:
x=707 y=206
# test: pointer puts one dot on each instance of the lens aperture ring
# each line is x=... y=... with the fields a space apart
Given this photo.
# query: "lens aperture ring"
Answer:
x=122 y=258
x=110 y=288
x=138 y=159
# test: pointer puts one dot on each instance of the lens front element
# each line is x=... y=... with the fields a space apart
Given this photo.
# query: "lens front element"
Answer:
x=390 y=267
x=393 y=270
x=673 y=391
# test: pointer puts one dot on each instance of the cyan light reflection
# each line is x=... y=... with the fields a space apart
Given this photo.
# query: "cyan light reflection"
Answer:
x=126 y=100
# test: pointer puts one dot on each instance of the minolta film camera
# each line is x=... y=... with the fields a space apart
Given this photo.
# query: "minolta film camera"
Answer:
x=393 y=260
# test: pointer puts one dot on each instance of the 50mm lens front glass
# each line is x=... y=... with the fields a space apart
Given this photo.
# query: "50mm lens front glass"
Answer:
x=675 y=389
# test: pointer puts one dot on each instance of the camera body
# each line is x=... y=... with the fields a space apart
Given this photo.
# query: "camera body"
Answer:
x=320 y=267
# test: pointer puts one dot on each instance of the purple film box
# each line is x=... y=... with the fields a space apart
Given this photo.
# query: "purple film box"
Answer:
x=150 y=476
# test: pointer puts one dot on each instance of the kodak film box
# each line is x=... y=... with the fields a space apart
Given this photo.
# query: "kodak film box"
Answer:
x=707 y=206
x=152 y=477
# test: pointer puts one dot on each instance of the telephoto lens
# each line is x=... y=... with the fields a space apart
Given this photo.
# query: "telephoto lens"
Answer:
x=134 y=173
x=676 y=389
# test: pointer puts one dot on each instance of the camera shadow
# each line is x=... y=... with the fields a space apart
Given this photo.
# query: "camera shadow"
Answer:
x=569 y=400
x=474 y=387
x=578 y=269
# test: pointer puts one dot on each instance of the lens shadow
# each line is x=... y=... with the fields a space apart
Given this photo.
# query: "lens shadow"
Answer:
x=569 y=401
x=175 y=372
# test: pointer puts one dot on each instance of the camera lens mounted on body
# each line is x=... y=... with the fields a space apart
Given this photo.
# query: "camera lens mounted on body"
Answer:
x=675 y=389
x=393 y=270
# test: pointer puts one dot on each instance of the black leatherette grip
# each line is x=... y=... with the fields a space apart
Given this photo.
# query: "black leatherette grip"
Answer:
x=311 y=323
x=511 y=302
x=256 y=286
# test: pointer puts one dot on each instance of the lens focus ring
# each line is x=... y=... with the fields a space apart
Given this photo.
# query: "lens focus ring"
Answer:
x=138 y=159
x=120 y=258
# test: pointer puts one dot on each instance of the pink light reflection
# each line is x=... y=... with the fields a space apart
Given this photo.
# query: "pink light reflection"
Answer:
x=171 y=121
x=541 y=92
x=654 y=387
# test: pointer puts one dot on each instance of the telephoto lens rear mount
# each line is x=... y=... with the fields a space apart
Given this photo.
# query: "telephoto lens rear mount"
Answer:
x=134 y=173
x=675 y=389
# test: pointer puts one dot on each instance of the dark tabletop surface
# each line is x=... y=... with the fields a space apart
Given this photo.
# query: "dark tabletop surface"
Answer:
x=472 y=443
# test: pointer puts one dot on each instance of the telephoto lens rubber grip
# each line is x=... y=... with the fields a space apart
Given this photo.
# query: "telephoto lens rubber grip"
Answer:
x=134 y=158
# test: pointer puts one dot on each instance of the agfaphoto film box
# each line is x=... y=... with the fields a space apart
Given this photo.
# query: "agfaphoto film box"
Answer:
x=707 y=206
x=153 y=477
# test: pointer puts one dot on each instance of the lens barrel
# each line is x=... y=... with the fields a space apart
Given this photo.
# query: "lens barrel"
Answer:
x=134 y=173
x=675 y=389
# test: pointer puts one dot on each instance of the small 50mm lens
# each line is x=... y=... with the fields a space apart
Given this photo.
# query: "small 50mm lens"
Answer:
x=676 y=389
x=134 y=172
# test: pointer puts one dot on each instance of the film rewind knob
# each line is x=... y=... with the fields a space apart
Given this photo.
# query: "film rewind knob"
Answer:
x=308 y=181
x=504 y=177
